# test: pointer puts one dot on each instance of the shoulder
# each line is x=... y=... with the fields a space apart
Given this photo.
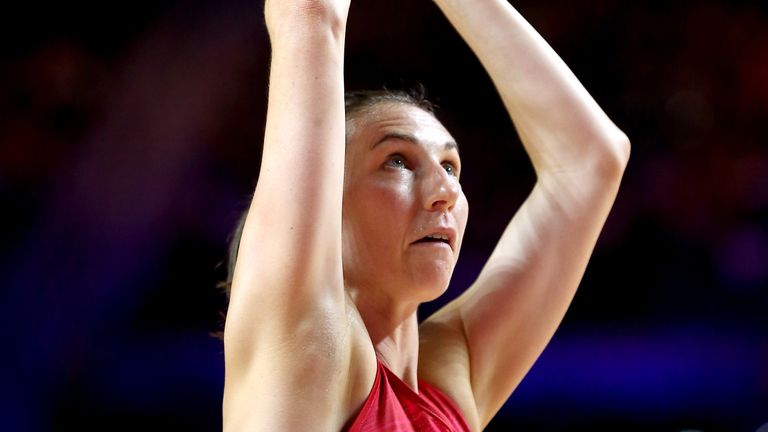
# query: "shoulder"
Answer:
x=315 y=378
x=444 y=362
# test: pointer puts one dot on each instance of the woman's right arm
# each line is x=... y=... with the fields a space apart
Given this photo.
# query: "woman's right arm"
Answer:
x=285 y=338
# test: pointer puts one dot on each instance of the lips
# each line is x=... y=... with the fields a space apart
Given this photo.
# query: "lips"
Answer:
x=438 y=235
x=434 y=238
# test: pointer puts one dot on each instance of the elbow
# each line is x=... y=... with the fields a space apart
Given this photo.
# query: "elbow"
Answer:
x=614 y=156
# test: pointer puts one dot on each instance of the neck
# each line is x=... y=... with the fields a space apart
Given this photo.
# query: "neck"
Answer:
x=394 y=332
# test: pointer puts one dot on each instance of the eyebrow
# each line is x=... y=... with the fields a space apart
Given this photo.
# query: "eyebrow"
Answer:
x=449 y=145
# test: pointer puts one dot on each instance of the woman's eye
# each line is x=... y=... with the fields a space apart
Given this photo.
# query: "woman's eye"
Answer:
x=449 y=168
x=397 y=161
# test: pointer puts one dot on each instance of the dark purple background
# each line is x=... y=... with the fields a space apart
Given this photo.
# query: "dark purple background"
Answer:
x=129 y=142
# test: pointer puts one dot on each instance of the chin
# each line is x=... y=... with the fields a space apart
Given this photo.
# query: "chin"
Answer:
x=439 y=291
x=432 y=284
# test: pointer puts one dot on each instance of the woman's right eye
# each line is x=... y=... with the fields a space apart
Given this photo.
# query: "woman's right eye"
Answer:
x=397 y=161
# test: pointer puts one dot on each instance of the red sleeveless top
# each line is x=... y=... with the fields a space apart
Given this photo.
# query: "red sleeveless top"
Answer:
x=393 y=407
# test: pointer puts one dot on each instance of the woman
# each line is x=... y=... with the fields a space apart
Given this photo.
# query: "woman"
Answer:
x=342 y=243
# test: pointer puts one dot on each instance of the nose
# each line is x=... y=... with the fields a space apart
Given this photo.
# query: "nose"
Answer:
x=440 y=190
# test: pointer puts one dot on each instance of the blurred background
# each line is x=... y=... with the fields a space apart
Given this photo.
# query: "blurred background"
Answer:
x=130 y=136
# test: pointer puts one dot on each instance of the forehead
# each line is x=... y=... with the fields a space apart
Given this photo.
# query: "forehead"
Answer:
x=375 y=123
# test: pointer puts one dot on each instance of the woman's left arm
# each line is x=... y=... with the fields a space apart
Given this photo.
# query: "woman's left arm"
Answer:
x=511 y=312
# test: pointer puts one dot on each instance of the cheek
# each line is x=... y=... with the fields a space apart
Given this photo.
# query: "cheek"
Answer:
x=388 y=203
x=464 y=210
x=379 y=208
x=462 y=215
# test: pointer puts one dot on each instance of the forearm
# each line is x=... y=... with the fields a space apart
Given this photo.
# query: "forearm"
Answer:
x=304 y=132
x=560 y=124
x=296 y=206
x=305 y=114
x=303 y=154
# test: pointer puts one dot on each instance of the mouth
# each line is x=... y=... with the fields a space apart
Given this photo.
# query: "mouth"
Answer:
x=437 y=238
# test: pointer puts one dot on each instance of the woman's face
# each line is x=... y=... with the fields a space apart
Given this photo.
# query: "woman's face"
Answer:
x=404 y=212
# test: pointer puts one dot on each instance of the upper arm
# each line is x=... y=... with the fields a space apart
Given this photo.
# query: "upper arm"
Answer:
x=522 y=293
x=512 y=310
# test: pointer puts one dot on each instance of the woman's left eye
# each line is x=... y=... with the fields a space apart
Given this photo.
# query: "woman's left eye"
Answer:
x=449 y=168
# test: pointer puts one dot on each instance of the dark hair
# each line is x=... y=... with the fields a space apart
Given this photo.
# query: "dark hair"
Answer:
x=355 y=102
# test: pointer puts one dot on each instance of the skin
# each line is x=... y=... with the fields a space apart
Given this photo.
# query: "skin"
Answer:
x=328 y=277
x=401 y=184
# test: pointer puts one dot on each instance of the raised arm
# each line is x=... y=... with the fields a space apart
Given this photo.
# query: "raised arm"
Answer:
x=512 y=310
x=285 y=334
